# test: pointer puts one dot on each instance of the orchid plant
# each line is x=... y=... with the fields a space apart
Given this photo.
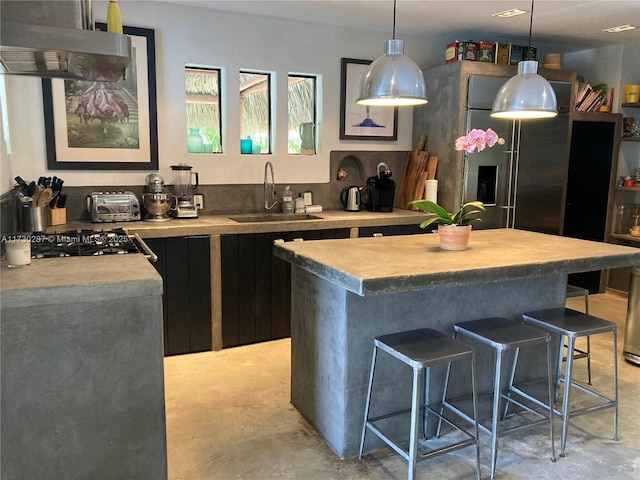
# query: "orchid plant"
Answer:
x=475 y=140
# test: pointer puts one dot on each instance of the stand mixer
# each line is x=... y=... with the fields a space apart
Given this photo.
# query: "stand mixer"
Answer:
x=182 y=175
x=156 y=202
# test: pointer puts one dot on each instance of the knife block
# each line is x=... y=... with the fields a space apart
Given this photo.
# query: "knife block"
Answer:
x=57 y=216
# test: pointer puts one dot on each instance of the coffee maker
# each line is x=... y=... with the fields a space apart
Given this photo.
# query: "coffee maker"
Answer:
x=380 y=190
x=182 y=175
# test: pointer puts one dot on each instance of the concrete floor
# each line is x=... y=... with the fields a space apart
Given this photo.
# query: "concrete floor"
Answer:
x=229 y=417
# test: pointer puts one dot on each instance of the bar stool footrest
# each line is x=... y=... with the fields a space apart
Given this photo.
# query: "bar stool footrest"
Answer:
x=502 y=431
x=402 y=451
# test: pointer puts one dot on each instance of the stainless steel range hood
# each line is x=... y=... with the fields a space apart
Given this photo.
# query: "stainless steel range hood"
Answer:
x=56 y=39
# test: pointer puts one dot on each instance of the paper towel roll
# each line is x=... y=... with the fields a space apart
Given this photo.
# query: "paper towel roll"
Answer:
x=314 y=208
x=431 y=190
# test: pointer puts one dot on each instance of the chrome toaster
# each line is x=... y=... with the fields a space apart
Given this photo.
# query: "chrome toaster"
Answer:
x=113 y=207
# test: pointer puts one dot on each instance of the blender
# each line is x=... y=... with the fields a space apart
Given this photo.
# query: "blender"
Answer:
x=182 y=175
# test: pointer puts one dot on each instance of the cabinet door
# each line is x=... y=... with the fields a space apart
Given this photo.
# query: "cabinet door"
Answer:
x=588 y=178
x=256 y=285
x=178 y=318
x=158 y=246
x=184 y=264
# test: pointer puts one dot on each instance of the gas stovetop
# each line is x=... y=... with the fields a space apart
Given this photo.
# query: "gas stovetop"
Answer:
x=81 y=243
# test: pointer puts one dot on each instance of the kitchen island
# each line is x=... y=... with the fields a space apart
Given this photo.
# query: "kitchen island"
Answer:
x=345 y=292
x=82 y=369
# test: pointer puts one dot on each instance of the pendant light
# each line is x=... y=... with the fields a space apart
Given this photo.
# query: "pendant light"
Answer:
x=393 y=79
x=527 y=95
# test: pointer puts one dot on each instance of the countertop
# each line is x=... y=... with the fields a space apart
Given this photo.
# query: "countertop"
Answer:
x=369 y=266
x=223 y=224
x=58 y=281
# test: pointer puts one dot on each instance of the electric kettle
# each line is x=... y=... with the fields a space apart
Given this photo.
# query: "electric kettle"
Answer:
x=350 y=198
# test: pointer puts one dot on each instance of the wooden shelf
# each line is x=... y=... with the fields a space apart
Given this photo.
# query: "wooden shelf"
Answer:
x=635 y=138
x=625 y=236
x=631 y=105
x=628 y=189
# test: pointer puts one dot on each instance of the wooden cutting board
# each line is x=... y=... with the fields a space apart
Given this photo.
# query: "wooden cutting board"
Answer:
x=418 y=168
x=414 y=166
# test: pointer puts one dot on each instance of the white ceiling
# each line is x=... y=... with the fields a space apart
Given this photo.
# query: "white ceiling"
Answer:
x=571 y=25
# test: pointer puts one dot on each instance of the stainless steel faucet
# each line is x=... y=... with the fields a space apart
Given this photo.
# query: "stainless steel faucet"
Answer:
x=269 y=186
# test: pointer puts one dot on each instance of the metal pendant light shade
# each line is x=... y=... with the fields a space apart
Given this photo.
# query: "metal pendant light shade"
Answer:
x=393 y=79
x=527 y=95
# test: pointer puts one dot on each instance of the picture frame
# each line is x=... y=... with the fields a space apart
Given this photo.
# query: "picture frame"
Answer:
x=359 y=122
x=105 y=125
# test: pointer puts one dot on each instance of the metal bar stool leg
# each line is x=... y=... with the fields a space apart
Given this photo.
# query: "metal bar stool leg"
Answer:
x=426 y=379
x=550 y=382
x=444 y=397
x=586 y=310
x=366 y=408
x=558 y=377
x=511 y=377
x=565 y=398
x=573 y=292
x=476 y=429
x=496 y=408
x=615 y=385
x=415 y=421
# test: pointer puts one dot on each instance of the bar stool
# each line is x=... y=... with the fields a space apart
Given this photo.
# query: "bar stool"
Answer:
x=572 y=292
x=573 y=324
x=505 y=335
x=421 y=349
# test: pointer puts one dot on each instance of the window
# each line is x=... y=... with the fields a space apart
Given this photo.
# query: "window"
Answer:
x=302 y=114
x=255 y=112
x=204 y=132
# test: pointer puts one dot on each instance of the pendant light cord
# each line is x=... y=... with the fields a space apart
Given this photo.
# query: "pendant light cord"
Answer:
x=394 y=20
x=530 y=30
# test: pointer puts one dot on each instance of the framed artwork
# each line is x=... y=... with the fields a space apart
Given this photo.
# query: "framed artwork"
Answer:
x=92 y=125
x=360 y=122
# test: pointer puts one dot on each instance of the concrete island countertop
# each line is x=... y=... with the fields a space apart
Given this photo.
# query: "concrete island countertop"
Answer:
x=59 y=281
x=369 y=266
x=223 y=224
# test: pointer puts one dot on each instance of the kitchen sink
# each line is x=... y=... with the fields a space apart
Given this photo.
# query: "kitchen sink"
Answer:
x=273 y=217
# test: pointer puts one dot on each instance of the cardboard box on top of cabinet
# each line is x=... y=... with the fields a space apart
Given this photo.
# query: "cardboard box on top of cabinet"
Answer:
x=457 y=51
x=501 y=53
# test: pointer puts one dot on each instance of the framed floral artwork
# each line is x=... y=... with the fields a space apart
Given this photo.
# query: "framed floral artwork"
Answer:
x=360 y=122
x=93 y=125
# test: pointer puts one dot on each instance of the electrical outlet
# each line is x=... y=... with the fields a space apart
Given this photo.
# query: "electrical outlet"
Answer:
x=199 y=201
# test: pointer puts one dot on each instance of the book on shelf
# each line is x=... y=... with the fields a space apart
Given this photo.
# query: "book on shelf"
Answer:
x=592 y=101
x=583 y=90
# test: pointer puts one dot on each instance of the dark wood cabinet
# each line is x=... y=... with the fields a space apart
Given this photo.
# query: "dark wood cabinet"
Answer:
x=184 y=264
x=256 y=285
x=390 y=230
x=591 y=171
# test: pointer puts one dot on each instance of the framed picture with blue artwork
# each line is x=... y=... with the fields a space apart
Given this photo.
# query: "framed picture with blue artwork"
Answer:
x=360 y=122
x=96 y=125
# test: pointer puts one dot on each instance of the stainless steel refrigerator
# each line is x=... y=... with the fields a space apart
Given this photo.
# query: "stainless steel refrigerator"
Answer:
x=521 y=182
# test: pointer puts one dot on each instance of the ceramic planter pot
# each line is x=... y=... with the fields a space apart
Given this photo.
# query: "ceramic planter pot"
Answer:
x=454 y=237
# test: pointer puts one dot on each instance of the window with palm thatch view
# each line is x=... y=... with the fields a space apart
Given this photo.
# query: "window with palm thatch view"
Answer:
x=302 y=114
x=202 y=87
x=255 y=111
